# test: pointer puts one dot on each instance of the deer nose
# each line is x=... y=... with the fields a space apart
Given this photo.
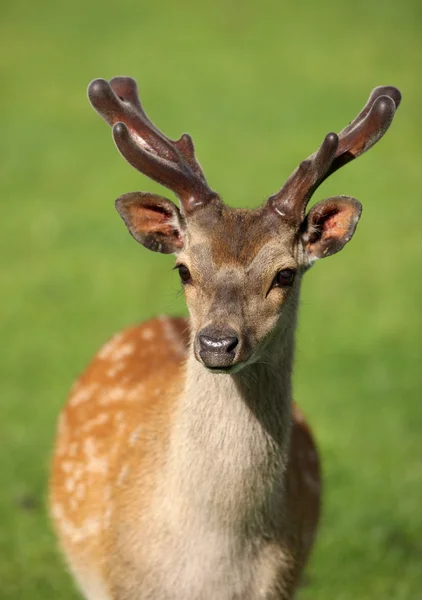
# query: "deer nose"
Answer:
x=218 y=345
x=218 y=350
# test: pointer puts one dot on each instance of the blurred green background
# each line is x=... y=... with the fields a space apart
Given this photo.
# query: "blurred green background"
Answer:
x=258 y=85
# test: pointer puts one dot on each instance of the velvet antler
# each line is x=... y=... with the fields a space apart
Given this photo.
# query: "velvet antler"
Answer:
x=335 y=151
x=171 y=163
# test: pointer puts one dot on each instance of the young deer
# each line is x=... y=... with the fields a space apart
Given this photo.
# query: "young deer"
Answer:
x=182 y=470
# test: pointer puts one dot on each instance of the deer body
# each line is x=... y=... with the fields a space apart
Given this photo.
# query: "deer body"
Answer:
x=182 y=468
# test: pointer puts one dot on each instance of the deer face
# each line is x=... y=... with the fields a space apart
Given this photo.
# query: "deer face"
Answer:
x=240 y=277
x=240 y=269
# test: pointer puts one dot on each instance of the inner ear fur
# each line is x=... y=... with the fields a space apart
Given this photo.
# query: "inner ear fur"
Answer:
x=153 y=221
x=329 y=225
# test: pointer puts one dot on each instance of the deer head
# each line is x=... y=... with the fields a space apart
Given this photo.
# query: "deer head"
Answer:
x=240 y=269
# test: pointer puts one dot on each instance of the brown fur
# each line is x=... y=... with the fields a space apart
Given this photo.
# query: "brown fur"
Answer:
x=115 y=426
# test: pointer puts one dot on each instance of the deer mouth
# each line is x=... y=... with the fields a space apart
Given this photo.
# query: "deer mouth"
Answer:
x=221 y=369
x=230 y=369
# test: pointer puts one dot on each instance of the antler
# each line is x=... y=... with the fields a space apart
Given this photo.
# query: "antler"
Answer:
x=171 y=163
x=337 y=150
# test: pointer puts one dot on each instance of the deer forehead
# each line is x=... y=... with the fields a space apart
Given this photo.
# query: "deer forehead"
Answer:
x=238 y=241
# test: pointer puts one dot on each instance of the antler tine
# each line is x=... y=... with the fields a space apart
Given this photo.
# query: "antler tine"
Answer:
x=145 y=147
x=368 y=127
x=386 y=90
x=126 y=89
x=192 y=191
x=337 y=150
x=305 y=179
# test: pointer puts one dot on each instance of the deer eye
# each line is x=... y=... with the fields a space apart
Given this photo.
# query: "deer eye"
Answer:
x=284 y=278
x=184 y=274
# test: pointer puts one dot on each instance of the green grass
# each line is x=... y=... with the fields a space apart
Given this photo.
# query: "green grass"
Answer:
x=257 y=85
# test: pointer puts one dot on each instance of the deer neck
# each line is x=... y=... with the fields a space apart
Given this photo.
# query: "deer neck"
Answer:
x=228 y=448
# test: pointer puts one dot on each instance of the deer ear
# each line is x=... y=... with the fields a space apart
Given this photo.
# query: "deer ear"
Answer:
x=153 y=221
x=329 y=225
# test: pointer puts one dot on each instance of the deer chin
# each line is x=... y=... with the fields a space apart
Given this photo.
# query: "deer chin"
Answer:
x=230 y=369
x=227 y=370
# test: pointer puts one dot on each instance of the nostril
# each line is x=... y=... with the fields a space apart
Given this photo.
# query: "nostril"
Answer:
x=233 y=343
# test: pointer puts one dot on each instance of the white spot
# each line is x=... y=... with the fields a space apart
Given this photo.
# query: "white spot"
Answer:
x=67 y=466
x=123 y=351
x=83 y=394
x=147 y=333
x=114 y=370
x=89 y=527
x=57 y=511
x=99 y=420
x=77 y=473
x=113 y=394
x=70 y=484
x=134 y=393
x=108 y=348
x=95 y=464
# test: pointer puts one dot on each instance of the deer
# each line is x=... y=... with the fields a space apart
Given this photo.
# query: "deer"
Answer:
x=183 y=469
